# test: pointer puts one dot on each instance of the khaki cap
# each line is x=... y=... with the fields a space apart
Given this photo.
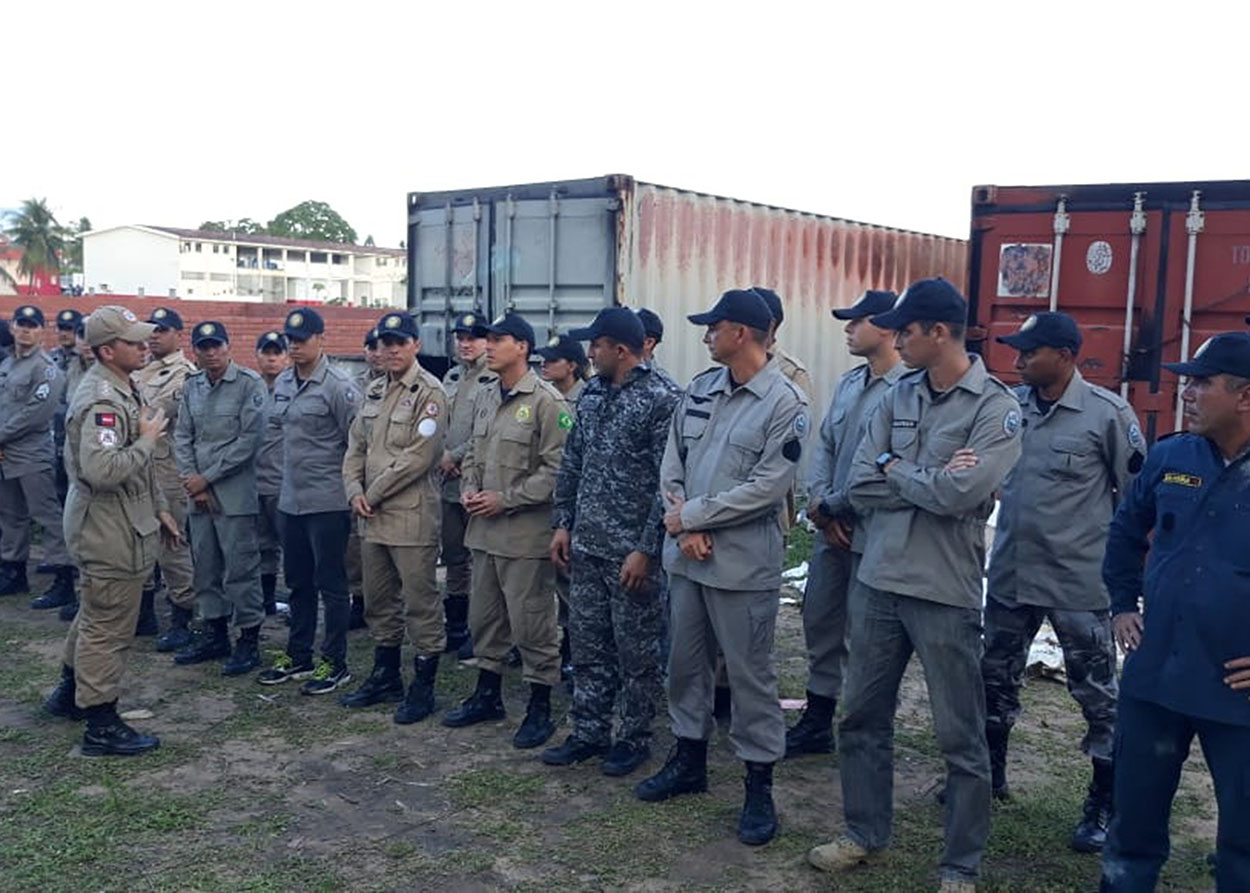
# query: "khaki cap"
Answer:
x=110 y=323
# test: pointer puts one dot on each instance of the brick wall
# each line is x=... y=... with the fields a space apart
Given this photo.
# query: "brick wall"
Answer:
x=345 y=326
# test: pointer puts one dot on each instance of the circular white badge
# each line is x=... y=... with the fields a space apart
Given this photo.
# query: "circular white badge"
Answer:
x=1098 y=257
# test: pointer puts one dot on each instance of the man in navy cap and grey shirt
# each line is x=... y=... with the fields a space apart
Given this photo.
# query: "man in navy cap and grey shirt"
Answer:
x=1184 y=621
x=840 y=543
x=736 y=440
x=1080 y=448
x=935 y=451
x=314 y=403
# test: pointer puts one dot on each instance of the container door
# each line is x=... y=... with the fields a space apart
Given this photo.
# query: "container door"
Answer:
x=554 y=260
x=448 y=269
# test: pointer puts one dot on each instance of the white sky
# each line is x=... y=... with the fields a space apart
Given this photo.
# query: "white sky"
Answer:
x=175 y=113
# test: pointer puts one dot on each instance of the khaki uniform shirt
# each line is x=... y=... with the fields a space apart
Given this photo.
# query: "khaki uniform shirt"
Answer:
x=160 y=384
x=392 y=458
x=515 y=450
x=111 y=526
x=574 y=392
x=78 y=367
x=315 y=415
x=220 y=427
x=30 y=392
x=731 y=455
x=1056 y=505
x=856 y=396
x=926 y=526
x=461 y=384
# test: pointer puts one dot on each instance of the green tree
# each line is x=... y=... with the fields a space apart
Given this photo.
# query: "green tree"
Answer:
x=213 y=226
x=369 y=243
x=312 y=220
x=35 y=230
x=73 y=245
x=248 y=227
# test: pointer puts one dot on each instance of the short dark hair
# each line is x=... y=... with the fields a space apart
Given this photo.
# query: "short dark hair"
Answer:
x=760 y=336
x=637 y=352
x=957 y=329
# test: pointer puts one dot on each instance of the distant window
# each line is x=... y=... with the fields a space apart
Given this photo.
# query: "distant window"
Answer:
x=381 y=262
x=317 y=257
x=296 y=256
x=338 y=259
x=199 y=246
x=186 y=246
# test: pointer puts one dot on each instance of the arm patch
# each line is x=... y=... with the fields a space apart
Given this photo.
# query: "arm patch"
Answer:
x=792 y=449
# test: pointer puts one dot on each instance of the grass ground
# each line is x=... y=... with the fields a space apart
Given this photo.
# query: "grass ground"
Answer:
x=261 y=790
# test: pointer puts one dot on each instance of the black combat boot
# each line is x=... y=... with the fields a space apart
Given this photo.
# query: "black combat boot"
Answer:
x=212 y=643
x=269 y=591
x=356 y=618
x=685 y=772
x=1091 y=834
x=419 y=701
x=13 y=578
x=384 y=683
x=61 y=701
x=537 y=727
x=996 y=738
x=59 y=594
x=107 y=734
x=484 y=705
x=813 y=733
x=758 y=823
x=70 y=610
x=456 y=622
x=246 y=654
x=573 y=750
x=146 y=624
x=179 y=635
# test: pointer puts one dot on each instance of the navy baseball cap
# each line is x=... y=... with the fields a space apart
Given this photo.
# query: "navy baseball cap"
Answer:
x=563 y=347
x=926 y=300
x=210 y=330
x=738 y=305
x=651 y=323
x=1045 y=329
x=1228 y=353
x=272 y=339
x=371 y=337
x=773 y=300
x=513 y=324
x=303 y=324
x=398 y=324
x=68 y=319
x=164 y=318
x=466 y=322
x=618 y=323
x=28 y=313
x=870 y=303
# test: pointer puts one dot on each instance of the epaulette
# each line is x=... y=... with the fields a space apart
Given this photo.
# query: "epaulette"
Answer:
x=798 y=391
x=1110 y=396
x=249 y=373
x=200 y=372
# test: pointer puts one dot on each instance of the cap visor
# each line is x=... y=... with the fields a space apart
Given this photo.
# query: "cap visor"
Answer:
x=1191 y=369
x=547 y=353
x=705 y=319
x=586 y=334
x=139 y=331
x=850 y=313
x=891 y=319
x=1020 y=341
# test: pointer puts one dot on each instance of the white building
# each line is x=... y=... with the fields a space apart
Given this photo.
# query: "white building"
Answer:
x=195 y=264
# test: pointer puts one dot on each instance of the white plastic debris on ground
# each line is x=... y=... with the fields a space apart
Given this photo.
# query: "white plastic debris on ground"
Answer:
x=793 y=582
x=1045 y=655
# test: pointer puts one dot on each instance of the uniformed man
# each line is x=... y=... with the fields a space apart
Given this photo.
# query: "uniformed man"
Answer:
x=82 y=360
x=374 y=369
x=564 y=365
x=1185 y=624
x=735 y=442
x=160 y=383
x=839 y=542
x=220 y=428
x=936 y=450
x=114 y=514
x=6 y=339
x=1081 y=445
x=461 y=383
x=63 y=355
x=271 y=359
x=30 y=391
x=654 y=327
x=390 y=474
x=791 y=367
x=314 y=404
x=507 y=480
x=608 y=534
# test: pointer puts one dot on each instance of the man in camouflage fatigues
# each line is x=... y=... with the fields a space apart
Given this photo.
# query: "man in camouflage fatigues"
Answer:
x=607 y=520
x=1081 y=447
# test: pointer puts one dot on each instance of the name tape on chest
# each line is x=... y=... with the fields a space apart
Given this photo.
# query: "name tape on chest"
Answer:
x=1181 y=479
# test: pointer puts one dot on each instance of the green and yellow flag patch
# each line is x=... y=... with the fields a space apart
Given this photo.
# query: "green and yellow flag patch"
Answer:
x=565 y=421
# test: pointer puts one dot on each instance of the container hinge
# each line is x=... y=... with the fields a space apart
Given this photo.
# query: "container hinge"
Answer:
x=1195 y=219
x=1062 y=221
x=1137 y=223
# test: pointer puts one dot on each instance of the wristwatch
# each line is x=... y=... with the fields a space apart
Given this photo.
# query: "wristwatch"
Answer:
x=885 y=459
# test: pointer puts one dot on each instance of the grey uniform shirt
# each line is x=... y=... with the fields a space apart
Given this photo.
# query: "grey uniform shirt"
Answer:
x=220 y=427
x=857 y=394
x=1056 y=505
x=30 y=392
x=315 y=415
x=269 y=456
x=461 y=382
x=925 y=533
x=731 y=455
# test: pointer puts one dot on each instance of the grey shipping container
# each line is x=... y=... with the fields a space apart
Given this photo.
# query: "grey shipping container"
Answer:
x=558 y=252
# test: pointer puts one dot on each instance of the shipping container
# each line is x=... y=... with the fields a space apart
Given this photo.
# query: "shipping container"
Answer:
x=559 y=252
x=1149 y=270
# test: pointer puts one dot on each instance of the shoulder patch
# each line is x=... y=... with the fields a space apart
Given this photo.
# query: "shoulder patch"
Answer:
x=565 y=421
x=792 y=449
x=106 y=419
x=800 y=424
x=1182 y=479
x=1011 y=422
x=1135 y=439
x=41 y=392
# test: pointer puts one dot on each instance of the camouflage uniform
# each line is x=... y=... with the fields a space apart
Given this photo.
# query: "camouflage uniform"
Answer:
x=607 y=495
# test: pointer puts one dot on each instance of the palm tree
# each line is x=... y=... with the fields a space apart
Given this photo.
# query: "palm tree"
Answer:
x=35 y=230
